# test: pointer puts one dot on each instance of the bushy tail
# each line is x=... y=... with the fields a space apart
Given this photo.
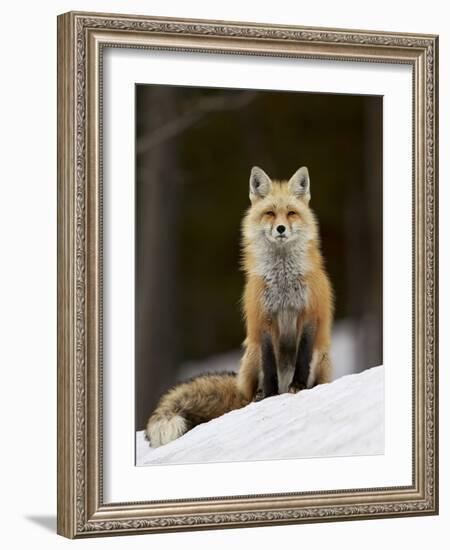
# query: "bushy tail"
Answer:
x=191 y=403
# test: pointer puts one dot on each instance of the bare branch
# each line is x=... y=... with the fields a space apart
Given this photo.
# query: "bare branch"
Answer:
x=204 y=106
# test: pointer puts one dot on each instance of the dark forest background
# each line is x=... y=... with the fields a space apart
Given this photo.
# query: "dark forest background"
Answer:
x=194 y=151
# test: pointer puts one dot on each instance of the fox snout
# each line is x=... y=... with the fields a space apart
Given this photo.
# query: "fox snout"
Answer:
x=280 y=230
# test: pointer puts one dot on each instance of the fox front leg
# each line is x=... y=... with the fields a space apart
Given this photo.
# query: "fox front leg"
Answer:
x=303 y=360
x=269 y=368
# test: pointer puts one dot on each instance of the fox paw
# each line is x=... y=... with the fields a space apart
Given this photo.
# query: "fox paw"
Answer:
x=259 y=396
x=295 y=387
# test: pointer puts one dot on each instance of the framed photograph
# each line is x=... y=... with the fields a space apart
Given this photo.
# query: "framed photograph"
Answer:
x=247 y=274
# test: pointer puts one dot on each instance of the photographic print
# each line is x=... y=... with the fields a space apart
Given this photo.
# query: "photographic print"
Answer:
x=247 y=290
x=259 y=275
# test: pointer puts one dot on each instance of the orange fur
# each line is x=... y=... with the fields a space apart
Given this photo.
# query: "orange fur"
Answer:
x=281 y=206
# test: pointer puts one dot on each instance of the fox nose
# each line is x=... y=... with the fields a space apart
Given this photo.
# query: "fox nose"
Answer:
x=281 y=229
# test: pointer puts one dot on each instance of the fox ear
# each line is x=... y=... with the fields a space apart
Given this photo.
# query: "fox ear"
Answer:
x=260 y=183
x=299 y=184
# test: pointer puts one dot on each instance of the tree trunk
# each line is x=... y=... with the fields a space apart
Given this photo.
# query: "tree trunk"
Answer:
x=157 y=199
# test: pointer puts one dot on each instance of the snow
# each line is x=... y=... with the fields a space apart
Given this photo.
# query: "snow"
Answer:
x=343 y=418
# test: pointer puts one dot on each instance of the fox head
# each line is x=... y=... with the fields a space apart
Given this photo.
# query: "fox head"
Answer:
x=279 y=211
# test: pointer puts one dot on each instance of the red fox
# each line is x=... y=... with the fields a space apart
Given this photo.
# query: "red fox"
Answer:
x=288 y=301
x=287 y=306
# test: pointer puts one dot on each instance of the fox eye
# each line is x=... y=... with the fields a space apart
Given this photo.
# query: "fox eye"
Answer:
x=270 y=213
x=291 y=213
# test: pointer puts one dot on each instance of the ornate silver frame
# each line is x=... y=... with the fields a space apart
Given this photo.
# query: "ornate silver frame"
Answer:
x=81 y=39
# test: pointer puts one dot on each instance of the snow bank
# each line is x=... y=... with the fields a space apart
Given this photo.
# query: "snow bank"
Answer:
x=344 y=418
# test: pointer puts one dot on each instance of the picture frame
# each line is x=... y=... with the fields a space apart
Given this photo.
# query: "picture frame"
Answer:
x=82 y=41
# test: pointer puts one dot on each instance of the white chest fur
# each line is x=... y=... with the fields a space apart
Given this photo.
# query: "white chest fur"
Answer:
x=281 y=270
